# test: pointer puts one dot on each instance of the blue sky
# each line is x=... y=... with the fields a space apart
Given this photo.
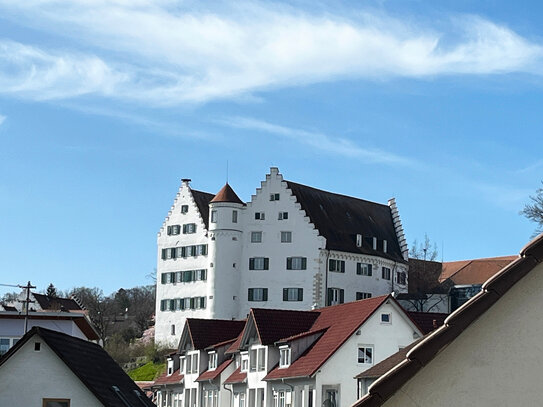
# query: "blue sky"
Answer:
x=106 y=105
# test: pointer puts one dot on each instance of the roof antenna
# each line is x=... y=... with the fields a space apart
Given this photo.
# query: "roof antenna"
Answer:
x=227 y=171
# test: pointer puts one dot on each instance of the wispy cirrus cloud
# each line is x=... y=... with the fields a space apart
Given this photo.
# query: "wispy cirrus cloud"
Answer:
x=167 y=52
x=320 y=141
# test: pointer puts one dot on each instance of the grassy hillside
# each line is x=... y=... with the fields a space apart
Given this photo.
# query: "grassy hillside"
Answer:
x=147 y=372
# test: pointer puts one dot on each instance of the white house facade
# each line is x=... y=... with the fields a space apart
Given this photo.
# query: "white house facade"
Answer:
x=290 y=247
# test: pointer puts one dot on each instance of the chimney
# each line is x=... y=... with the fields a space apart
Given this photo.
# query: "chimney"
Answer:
x=185 y=182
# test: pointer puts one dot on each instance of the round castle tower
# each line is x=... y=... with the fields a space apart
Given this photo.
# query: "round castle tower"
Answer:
x=225 y=247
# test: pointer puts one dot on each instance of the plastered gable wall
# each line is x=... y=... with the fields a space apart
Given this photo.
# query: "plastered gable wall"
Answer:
x=495 y=362
x=164 y=319
x=305 y=243
x=28 y=376
x=15 y=327
x=386 y=340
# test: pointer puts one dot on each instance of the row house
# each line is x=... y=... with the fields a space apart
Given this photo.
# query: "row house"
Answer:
x=291 y=246
x=286 y=358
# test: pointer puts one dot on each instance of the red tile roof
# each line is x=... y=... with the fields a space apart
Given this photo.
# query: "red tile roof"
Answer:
x=213 y=374
x=424 y=351
x=236 y=377
x=475 y=271
x=207 y=332
x=174 y=378
x=425 y=320
x=275 y=324
x=340 y=321
x=227 y=194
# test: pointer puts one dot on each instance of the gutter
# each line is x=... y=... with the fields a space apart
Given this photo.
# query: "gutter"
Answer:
x=231 y=393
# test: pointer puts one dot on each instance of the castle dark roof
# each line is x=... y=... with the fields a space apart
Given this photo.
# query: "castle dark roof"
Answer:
x=92 y=365
x=227 y=194
x=48 y=303
x=202 y=200
x=339 y=218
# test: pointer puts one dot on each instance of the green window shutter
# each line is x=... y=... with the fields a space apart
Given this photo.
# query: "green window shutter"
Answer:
x=289 y=263
x=304 y=263
x=358 y=268
x=331 y=265
x=251 y=264
x=163 y=254
x=192 y=304
x=182 y=304
x=300 y=294
x=163 y=278
x=162 y=305
x=169 y=230
x=342 y=266
x=265 y=294
x=172 y=305
x=369 y=269
x=202 y=302
x=266 y=263
x=250 y=294
x=204 y=249
x=183 y=251
x=184 y=229
x=330 y=295
x=341 y=296
x=285 y=294
x=204 y=275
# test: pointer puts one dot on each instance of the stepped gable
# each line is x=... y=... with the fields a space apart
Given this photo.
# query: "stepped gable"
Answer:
x=338 y=323
x=227 y=194
x=202 y=200
x=92 y=365
x=53 y=303
x=339 y=218
x=207 y=332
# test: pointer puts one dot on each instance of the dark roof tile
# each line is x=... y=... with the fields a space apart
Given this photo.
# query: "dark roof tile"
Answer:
x=207 y=332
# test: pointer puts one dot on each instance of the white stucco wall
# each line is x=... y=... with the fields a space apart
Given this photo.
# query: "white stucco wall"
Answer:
x=386 y=339
x=495 y=362
x=29 y=376
x=14 y=328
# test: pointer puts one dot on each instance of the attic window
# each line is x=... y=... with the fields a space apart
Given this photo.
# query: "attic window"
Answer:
x=213 y=358
x=184 y=208
x=274 y=197
x=56 y=402
x=284 y=357
x=37 y=346
x=386 y=318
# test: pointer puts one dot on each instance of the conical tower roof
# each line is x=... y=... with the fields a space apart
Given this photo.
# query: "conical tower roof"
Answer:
x=227 y=194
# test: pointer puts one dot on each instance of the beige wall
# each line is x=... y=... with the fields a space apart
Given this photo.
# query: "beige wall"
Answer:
x=497 y=361
x=28 y=376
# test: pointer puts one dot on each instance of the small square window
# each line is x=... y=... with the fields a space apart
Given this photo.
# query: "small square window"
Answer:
x=256 y=237
x=362 y=296
x=184 y=208
x=260 y=216
x=386 y=318
x=37 y=346
x=213 y=216
x=365 y=354
x=283 y=215
x=274 y=197
x=284 y=357
x=286 y=237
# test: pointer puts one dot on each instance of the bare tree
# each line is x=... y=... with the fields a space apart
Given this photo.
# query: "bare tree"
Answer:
x=425 y=250
x=534 y=210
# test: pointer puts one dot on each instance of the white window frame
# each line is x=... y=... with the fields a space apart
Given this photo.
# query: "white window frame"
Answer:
x=365 y=358
x=260 y=216
x=385 y=316
x=214 y=216
x=213 y=359
x=244 y=361
x=284 y=356
x=282 y=216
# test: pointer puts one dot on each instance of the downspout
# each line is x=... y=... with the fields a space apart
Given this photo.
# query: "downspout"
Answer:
x=231 y=393
x=326 y=279
x=292 y=395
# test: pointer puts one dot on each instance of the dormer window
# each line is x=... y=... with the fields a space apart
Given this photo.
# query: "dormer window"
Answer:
x=170 y=367
x=213 y=358
x=284 y=356
x=244 y=362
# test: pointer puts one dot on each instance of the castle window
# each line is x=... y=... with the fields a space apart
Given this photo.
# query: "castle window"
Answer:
x=189 y=228
x=256 y=237
x=274 y=197
x=362 y=296
x=283 y=215
x=296 y=263
x=257 y=294
x=234 y=216
x=259 y=263
x=184 y=208
x=335 y=296
x=336 y=265
x=213 y=216
x=385 y=273
x=363 y=269
x=293 y=294
x=260 y=216
x=174 y=229
x=286 y=237
x=400 y=277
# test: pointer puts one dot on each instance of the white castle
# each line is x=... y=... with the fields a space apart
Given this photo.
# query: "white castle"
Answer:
x=290 y=247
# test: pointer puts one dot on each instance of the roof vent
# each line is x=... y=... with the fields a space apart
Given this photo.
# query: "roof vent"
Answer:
x=374 y=243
